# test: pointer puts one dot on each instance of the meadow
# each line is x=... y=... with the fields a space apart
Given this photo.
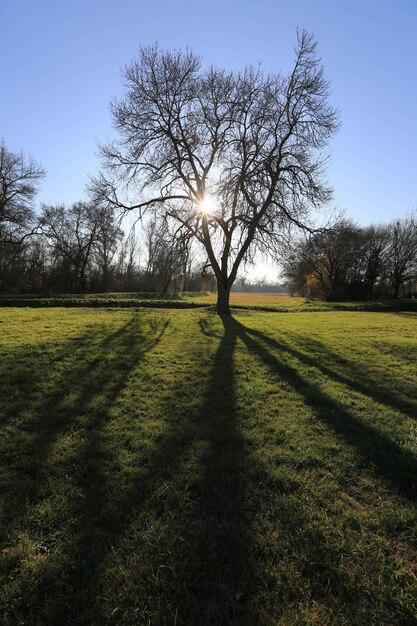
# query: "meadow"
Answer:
x=167 y=466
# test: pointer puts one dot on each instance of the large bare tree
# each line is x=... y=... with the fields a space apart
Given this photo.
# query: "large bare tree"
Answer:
x=234 y=159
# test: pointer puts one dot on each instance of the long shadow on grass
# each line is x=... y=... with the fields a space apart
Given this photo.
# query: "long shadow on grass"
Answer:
x=320 y=567
x=86 y=376
x=182 y=544
x=346 y=372
x=381 y=455
x=167 y=542
x=222 y=573
x=393 y=463
x=41 y=487
x=194 y=533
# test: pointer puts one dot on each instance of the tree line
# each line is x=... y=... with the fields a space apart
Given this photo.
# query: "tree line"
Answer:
x=82 y=248
x=351 y=262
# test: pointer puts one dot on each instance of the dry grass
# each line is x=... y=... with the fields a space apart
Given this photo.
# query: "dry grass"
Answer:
x=263 y=299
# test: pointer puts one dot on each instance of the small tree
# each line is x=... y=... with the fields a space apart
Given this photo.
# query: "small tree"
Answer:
x=233 y=159
x=128 y=269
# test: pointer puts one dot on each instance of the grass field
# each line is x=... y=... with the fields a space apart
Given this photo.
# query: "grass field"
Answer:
x=170 y=467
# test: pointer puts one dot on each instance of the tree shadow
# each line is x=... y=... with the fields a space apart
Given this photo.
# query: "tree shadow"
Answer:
x=380 y=454
x=316 y=573
x=193 y=562
x=224 y=569
x=85 y=368
x=394 y=464
x=187 y=488
x=53 y=458
x=346 y=372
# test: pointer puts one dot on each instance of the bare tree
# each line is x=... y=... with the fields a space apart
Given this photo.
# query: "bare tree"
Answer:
x=352 y=262
x=234 y=159
x=402 y=252
x=108 y=236
x=72 y=233
x=326 y=264
x=168 y=256
x=128 y=261
x=19 y=182
x=375 y=251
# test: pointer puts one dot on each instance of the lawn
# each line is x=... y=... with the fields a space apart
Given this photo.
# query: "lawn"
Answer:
x=172 y=467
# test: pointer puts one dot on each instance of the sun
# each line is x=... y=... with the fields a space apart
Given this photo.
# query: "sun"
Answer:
x=207 y=205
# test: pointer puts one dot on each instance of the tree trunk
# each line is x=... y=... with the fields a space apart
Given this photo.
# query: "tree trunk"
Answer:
x=223 y=297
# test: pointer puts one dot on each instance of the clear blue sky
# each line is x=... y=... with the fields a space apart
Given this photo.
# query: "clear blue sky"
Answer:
x=61 y=65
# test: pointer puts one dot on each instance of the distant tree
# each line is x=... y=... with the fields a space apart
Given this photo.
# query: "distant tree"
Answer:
x=375 y=257
x=342 y=262
x=108 y=236
x=37 y=265
x=168 y=256
x=402 y=252
x=72 y=233
x=232 y=159
x=128 y=262
x=19 y=184
x=325 y=265
x=12 y=266
x=352 y=262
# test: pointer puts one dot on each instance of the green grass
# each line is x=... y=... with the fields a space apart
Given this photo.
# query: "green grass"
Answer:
x=170 y=467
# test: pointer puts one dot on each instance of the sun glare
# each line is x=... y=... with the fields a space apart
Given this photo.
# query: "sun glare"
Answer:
x=207 y=205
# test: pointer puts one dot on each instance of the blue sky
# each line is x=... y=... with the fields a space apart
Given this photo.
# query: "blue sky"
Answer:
x=61 y=66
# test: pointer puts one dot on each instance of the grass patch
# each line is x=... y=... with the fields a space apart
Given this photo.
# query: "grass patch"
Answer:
x=168 y=467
